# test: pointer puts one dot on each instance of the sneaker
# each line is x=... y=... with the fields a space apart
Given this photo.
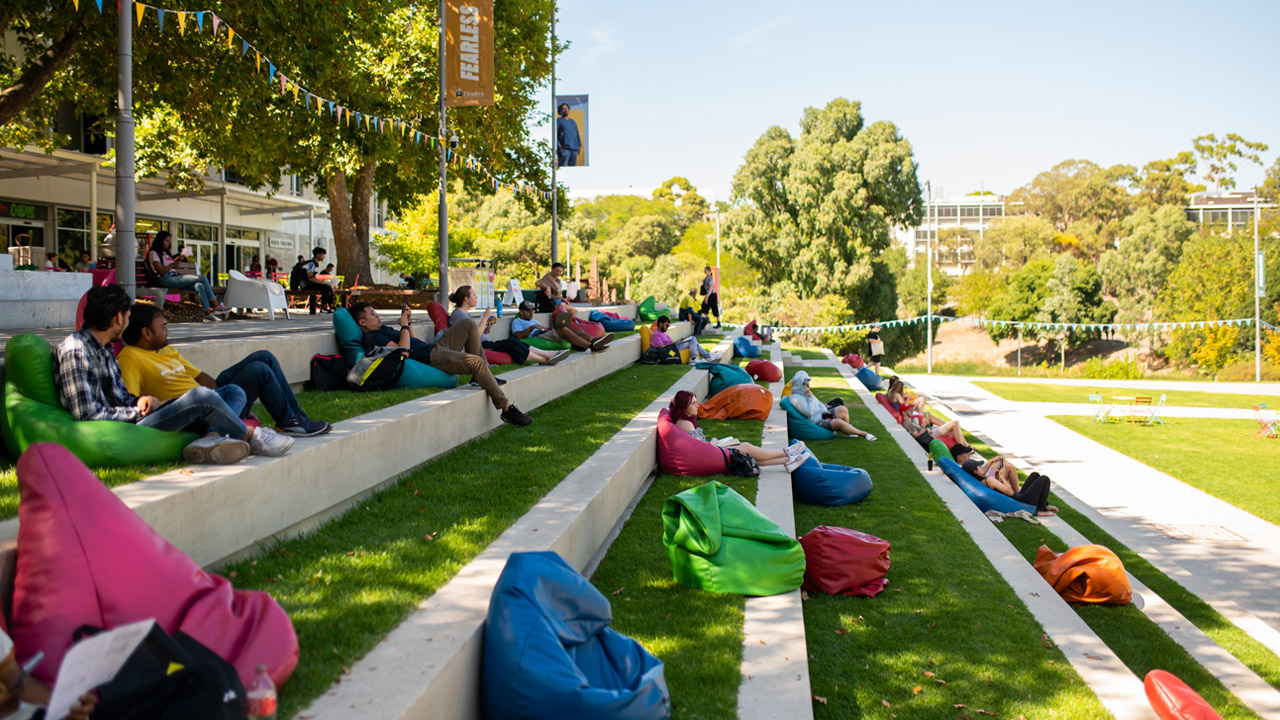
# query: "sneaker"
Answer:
x=476 y=383
x=602 y=343
x=792 y=463
x=212 y=317
x=303 y=426
x=513 y=416
x=266 y=441
x=795 y=448
x=558 y=357
x=215 y=449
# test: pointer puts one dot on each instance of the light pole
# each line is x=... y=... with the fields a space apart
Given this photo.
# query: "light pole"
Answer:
x=442 y=220
x=1258 y=290
x=555 y=149
x=126 y=240
x=928 y=273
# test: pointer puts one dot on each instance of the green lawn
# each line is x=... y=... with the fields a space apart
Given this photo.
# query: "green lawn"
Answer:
x=806 y=353
x=696 y=634
x=1033 y=392
x=1220 y=457
x=948 y=631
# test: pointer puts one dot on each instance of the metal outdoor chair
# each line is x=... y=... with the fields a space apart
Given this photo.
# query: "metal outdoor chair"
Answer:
x=1143 y=404
x=1153 y=414
x=1268 y=427
x=1101 y=410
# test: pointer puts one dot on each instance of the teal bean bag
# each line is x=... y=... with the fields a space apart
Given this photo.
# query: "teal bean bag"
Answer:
x=415 y=375
x=724 y=376
x=648 y=309
x=800 y=427
x=546 y=344
x=33 y=413
x=743 y=347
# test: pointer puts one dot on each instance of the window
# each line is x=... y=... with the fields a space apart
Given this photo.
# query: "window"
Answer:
x=922 y=234
x=295 y=185
x=1193 y=215
x=72 y=235
x=992 y=211
x=230 y=175
x=969 y=212
x=1215 y=217
x=1241 y=217
x=944 y=212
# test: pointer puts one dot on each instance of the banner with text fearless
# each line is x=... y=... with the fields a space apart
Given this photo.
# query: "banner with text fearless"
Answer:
x=468 y=54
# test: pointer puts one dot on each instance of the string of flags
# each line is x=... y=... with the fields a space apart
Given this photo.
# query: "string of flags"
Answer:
x=196 y=20
x=988 y=324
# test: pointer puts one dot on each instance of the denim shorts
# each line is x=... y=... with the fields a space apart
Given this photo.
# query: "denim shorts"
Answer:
x=824 y=423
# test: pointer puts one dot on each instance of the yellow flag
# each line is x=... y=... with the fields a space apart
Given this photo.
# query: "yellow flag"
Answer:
x=319 y=105
x=138 y=8
x=258 y=56
x=77 y=4
x=230 y=36
x=182 y=23
x=295 y=92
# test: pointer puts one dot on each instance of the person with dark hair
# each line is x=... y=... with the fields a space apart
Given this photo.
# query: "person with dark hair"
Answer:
x=568 y=139
x=876 y=347
x=925 y=435
x=408 y=282
x=710 y=296
x=255 y=268
x=660 y=338
x=163 y=266
x=320 y=291
x=464 y=300
x=524 y=326
x=1002 y=477
x=825 y=416
x=549 y=284
x=457 y=351
x=151 y=366
x=687 y=304
x=684 y=413
x=91 y=387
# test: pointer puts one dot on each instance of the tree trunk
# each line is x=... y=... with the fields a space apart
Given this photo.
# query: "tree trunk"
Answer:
x=35 y=76
x=352 y=258
x=361 y=202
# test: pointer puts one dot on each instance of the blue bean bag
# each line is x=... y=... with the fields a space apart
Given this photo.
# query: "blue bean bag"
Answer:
x=549 y=651
x=724 y=376
x=612 y=324
x=799 y=427
x=869 y=378
x=817 y=483
x=981 y=495
x=415 y=375
x=742 y=347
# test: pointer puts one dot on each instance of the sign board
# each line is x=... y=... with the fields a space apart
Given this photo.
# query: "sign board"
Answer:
x=281 y=243
x=571 y=130
x=468 y=54
x=1260 y=273
x=24 y=211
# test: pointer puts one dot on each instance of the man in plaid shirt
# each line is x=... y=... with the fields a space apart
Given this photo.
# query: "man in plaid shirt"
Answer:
x=91 y=388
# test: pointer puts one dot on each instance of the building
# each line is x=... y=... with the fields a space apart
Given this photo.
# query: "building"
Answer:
x=1229 y=210
x=955 y=224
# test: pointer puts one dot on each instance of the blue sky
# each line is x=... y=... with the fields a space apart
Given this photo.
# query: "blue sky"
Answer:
x=988 y=93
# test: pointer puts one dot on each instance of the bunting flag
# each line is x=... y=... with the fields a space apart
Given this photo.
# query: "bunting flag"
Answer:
x=182 y=22
x=901 y=322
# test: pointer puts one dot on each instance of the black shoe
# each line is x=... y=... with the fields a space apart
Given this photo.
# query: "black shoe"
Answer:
x=501 y=382
x=513 y=416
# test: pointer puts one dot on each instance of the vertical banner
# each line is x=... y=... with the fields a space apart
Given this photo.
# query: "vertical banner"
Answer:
x=1260 y=273
x=571 y=130
x=468 y=52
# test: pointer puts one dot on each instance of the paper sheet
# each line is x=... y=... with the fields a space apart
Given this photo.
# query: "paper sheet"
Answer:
x=92 y=662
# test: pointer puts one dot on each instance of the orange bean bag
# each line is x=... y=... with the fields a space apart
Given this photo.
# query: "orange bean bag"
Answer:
x=1085 y=574
x=738 y=402
x=1173 y=699
x=764 y=370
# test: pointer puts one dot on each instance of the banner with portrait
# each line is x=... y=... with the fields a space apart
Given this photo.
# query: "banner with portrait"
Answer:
x=571 y=130
x=468 y=52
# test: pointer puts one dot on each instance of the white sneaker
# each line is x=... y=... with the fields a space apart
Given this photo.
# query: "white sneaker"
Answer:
x=215 y=449
x=792 y=463
x=795 y=448
x=266 y=441
x=870 y=437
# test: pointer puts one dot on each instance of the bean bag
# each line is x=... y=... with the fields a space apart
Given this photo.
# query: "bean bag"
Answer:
x=648 y=309
x=818 y=483
x=415 y=375
x=544 y=344
x=799 y=427
x=840 y=561
x=549 y=651
x=764 y=370
x=719 y=542
x=742 y=347
x=439 y=317
x=32 y=413
x=868 y=378
x=611 y=322
x=594 y=329
x=84 y=558
x=739 y=402
x=680 y=453
x=853 y=360
x=1173 y=699
x=939 y=450
x=889 y=406
x=1085 y=574
x=646 y=337
x=494 y=357
x=749 y=330
x=724 y=376
x=981 y=495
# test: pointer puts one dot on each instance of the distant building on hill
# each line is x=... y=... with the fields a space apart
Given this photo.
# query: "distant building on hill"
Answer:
x=1224 y=210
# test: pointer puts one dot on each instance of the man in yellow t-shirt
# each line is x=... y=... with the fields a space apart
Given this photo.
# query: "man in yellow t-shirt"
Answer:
x=148 y=363
x=687 y=312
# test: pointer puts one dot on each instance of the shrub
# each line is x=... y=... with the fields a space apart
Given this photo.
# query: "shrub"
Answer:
x=1096 y=368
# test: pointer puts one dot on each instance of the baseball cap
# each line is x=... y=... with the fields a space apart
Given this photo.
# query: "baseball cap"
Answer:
x=960 y=449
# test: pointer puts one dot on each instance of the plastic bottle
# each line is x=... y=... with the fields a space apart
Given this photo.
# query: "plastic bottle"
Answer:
x=262 y=696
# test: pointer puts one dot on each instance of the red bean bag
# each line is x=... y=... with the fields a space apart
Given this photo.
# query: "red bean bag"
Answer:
x=84 y=558
x=749 y=330
x=1085 y=574
x=853 y=360
x=679 y=453
x=439 y=316
x=493 y=357
x=840 y=561
x=594 y=329
x=764 y=370
x=889 y=406
x=947 y=440
x=738 y=402
x=1173 y=699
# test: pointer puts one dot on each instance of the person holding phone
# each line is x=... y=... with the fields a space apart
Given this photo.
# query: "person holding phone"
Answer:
x=17 y=685
x=465 y=299
x=164 y=267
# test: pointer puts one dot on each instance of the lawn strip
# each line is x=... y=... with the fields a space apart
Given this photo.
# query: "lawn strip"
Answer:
x=805 y=353
x=358 y=576
x=1037 y=392
x=947 y=615
x=697 y=634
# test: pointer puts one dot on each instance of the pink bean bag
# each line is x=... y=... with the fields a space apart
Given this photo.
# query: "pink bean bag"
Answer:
x=84 y=558
x=1173 y=699
x=764 y=370
x=493 y=357
x=852 y=360
x=679 y=453
x=439 y=316
x=749 y=330
x=840 y=561
x=594 y=329
x=889 y=406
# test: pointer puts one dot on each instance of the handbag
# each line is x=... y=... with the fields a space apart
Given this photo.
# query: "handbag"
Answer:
x=742 y=464
x=379 y=369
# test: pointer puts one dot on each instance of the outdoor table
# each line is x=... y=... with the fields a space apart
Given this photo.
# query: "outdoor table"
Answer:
x=1129 y=399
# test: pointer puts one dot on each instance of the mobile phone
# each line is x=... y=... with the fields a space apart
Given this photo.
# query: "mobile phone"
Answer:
x=27 y=667
x=404 y=304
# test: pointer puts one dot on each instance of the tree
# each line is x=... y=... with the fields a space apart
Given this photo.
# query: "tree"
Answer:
x=648 y=235
x=1271 y=185
x=975 y=292
x=1077 y=189
x=911 y=289
x=1220 y=156
x=1211 y=282
x=690 y=207
x=1073 y=295
x=1020 y=301
x=1011 y=242
x=954 y=245
x=1164 y=182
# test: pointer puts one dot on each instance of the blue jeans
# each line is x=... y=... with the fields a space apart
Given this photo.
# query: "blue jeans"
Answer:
x=199 y=283
x=700 y=322
x=568 y=158
x=259 y=376
x=201 y=409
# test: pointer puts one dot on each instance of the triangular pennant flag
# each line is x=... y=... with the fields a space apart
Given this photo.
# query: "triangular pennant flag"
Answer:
x=200 y=22
x=160 y=18
x=99 y=7
x=330 y=108
x=295 y=91
x=271 y=75
x=216 y=20
x=77 y=4
x=182 y=22
x=138 y=9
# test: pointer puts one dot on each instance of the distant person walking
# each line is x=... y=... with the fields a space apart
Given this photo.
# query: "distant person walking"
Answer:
x=711 y=296
x=877 y=348
x=568 y=139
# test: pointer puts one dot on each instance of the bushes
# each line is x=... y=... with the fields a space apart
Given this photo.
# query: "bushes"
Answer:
x=1096 y=368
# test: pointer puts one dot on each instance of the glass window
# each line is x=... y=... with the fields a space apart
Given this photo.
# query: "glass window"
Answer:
x=969 y=212
x=992 y=211
x=72 y=219
x=1215 y=217
x=238 y=234
x=944 y=212
x=1241 y=217
x=1193 y=215
x=197 y=233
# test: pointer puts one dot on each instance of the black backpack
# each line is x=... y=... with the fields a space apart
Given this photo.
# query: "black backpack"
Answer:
x=328 y=372
x=171 y=678
x=149 y=272
x=298 y=276
x=665 y=355
x=379 y=369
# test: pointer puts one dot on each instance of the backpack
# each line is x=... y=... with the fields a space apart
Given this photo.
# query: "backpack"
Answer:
x=379 y=369
x=665 y=355
x=171 y=678
x=742 y=464
x=149 y=272
x=328 y=372
x=298 y=276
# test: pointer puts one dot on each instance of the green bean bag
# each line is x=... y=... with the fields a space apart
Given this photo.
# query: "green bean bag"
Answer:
x=939 y=450
x=800 y=427
x=719 y=542
x=724 y=376
x=544 y=344
x=415 y=375
x=32 y=413
x=648 y=309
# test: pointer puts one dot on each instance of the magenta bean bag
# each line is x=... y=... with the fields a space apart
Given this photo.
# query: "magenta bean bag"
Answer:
x=889 y=406
x=84 y=558
x=679 y=453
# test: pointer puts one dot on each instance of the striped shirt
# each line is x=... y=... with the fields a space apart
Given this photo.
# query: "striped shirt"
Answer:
x=89 y=381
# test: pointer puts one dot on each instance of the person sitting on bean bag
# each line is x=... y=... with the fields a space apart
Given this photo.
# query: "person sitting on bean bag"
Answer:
x=687 y=312
x=526 y=327
x=464 y=300
x=897 y=395
x=830 y=418
x=1002 y=477
x=684 y=413
x=457 y=352
x=660 y=338
x=924 y=435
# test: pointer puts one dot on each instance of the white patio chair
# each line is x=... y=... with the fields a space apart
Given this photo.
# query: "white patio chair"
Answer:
x=1100 y=409
x=1153 y=414
x=242 y=292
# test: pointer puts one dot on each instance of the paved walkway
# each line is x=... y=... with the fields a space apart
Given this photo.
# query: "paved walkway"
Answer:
x=1232 y=558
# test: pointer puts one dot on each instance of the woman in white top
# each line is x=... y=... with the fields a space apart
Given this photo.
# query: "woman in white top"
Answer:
x=464 y=300
x=165 y=269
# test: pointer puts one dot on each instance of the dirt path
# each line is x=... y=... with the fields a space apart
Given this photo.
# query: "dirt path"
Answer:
x=962 y=342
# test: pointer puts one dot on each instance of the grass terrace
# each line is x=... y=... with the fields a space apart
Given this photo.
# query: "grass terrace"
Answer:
x=1036 y=392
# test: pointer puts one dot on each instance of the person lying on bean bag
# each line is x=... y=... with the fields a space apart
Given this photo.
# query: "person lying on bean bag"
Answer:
x=835 y=418
x=535 y=333
x=1002 y=477
x=948 y=432
x=464 y=300
x=684 y=413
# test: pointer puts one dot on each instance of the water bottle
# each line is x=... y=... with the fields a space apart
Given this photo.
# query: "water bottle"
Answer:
x=262 y=696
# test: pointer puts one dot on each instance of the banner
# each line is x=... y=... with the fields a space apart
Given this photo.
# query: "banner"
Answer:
x=571 y=130
x=468 y=54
